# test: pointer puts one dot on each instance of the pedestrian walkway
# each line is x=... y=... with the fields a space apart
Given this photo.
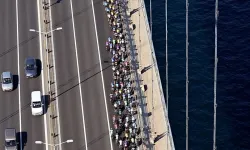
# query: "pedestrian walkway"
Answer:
x=158 y=124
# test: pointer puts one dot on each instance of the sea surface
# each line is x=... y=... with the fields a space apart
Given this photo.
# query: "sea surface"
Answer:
x=233 y=82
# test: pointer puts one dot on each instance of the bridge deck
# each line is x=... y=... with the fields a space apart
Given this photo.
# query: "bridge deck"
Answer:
x=157 y=122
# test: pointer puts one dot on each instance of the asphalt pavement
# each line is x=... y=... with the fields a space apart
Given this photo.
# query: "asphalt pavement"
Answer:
x=82 y=107
x=71 y=124
x=86 y=109
x=8 y=62
x=32 y=127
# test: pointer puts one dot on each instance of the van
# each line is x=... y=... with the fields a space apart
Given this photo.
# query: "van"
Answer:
x=10 y=139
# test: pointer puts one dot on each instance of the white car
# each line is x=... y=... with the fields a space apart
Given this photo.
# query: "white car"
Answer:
x=36 y=103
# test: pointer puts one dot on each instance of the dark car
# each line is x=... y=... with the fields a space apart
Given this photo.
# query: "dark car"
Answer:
x=30 y=67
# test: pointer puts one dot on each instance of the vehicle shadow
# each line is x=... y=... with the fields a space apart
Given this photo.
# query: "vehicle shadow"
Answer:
x=46 y=102
x=39 y=67
x=22 y=139
x=15 y=82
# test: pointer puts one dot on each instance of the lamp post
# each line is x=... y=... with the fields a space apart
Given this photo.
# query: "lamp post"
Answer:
x=54 y=145
x=46 y=42
x=46 y=33
x=56 y=29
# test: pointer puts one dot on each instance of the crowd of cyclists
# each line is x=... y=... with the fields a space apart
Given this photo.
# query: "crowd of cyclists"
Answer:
x=125 y=131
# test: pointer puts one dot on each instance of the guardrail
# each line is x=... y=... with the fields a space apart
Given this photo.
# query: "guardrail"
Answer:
x=143 y=7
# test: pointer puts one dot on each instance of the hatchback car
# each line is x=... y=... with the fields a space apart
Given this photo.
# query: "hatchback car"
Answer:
x=36 y=103
x=10 y=139
x=7 y=81
x=30 y=67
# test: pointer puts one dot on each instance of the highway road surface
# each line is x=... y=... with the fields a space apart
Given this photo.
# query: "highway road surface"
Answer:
x=82 y=88
x=82 y=107
x=15 y=112
x=9 y=116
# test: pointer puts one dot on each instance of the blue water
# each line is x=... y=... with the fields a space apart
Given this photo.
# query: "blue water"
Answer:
x=233 y=89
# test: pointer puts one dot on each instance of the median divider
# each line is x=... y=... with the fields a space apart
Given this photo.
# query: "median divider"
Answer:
x=48 y=68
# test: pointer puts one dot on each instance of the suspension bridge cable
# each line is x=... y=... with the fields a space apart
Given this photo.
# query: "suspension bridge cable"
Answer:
x=187 y=44
x=215 y=73
x=166 y=56
x=166 y=11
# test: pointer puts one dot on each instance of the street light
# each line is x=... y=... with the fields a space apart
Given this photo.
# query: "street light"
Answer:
x=46 y=47
x=54 y=145
x=69 y=141
x=56 y=29
x=32 y=30
x=59 y=28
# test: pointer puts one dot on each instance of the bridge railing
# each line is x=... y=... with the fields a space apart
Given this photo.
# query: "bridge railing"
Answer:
x=143 y=7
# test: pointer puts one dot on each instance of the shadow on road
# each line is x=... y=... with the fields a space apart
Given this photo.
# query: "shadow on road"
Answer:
x=39 y=67
x=47 y=98
x=24 y=137
x=46 y=106
x=15 y=82
x=46 y=102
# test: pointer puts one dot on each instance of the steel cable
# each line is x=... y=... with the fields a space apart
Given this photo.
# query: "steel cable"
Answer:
x=215 y=73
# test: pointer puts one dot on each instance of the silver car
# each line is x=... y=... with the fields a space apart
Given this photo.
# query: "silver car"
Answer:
x=30 y=67
x=10 y=139
x=7 y=81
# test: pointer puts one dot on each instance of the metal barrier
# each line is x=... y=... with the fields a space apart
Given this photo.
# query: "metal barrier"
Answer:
x=157 y=73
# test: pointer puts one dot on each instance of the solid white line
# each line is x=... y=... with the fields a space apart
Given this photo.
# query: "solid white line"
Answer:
x=103 y=87
x=54 y=68
x=19 y=87
x=42 y=70
x=79 y=78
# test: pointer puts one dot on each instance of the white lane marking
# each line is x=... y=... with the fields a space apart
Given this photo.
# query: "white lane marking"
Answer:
x=103 y=87
x=54 y=68
x=79 y=78
x=42 y=73
x=19 y=87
